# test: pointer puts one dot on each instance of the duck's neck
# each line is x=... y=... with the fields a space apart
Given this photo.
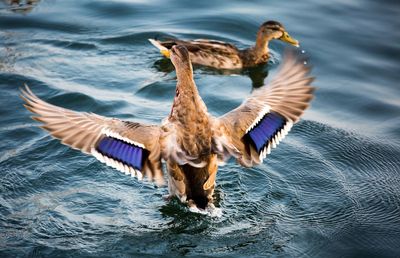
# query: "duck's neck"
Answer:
x=187 y=102
x=185 y=79
x=261 y=50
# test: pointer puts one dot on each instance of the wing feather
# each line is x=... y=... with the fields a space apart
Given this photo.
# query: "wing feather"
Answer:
x=132 y=147
x=264 y=118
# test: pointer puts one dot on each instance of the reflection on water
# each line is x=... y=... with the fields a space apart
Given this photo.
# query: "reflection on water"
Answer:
x=256 y=74
x=329 y=190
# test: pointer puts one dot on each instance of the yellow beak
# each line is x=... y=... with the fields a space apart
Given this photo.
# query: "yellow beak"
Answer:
x=165 y=52
x=287 y=38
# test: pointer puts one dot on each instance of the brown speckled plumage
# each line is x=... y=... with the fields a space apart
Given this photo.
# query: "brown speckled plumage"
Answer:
x=191 y=141
x=224 y=55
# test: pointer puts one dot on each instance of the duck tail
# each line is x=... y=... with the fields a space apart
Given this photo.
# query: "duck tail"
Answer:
x=157 y=44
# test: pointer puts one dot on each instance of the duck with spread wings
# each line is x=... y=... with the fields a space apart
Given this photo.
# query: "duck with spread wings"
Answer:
x=190 y=140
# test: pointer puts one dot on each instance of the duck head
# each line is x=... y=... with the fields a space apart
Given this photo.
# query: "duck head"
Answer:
x=181 y=60
x=273 y=30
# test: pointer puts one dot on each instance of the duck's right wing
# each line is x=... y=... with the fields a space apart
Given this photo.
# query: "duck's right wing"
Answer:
x=250 y=131
x=130 y=147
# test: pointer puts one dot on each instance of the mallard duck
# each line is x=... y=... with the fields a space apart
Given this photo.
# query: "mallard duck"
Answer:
x=190 y=140
x=224 y=55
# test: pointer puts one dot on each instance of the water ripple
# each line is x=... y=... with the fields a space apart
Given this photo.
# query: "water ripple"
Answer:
x=331 y=188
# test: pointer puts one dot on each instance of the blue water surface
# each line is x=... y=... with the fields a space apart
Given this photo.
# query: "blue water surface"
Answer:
x=331 y=188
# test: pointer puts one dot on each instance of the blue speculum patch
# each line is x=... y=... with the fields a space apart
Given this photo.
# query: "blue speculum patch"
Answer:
x=126 y=153
x=265 y=130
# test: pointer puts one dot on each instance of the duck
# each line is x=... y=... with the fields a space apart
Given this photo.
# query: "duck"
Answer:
x=222 y=55
x=190 y=141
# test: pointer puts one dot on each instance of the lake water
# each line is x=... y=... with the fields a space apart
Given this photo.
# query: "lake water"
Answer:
x=331 y=189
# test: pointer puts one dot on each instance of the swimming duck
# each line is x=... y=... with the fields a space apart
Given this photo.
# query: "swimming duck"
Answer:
x=190 y=140
x=224 y=55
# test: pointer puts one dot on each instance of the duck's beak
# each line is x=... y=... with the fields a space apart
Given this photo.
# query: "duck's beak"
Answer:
x=166 y=53
x=287 y=38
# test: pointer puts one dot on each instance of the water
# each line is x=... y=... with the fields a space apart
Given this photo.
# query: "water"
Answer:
x=331 y=189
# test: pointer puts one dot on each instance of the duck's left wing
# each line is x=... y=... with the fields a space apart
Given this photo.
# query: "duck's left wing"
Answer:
x=130 y=147
x=250 y=131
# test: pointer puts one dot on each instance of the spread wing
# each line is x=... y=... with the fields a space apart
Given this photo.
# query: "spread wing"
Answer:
x=130 y=147
x=250 y=131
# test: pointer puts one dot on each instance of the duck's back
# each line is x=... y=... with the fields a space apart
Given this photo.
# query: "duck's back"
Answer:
x=212 y=53
x=187 y=141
